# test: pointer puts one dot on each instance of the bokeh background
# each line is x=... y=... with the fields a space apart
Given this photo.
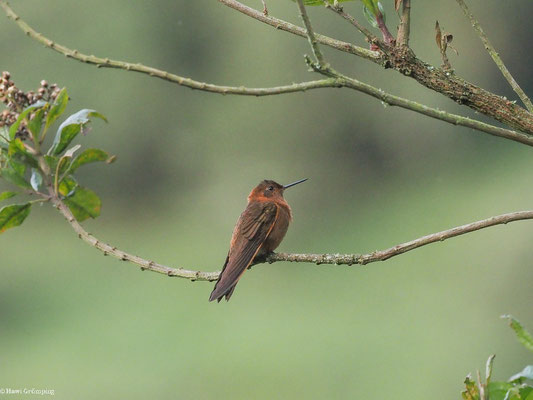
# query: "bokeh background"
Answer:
x=409 y=328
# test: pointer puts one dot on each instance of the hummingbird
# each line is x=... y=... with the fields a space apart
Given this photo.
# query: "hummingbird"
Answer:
x=258 y=232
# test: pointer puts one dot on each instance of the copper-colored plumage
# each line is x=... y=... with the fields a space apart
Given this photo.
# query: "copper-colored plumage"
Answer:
x=259 y=231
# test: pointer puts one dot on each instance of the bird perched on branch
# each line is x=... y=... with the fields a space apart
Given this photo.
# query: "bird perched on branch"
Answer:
x=258 y=232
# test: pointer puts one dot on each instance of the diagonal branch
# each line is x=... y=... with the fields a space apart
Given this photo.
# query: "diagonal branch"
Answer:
x=405 y=24
x=339 y=259
x=109 y=250
x=299 y=31
x=454 y=119
x=340 y=11
x=310 y=33
x=495 y=56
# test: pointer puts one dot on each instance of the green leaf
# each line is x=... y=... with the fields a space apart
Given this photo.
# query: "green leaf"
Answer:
x=370 y=17
x=14 y=173
x=13 y=215
x=89 y=156
x=67 y=186
x=14 y=128
x=70 y=128
x=65 y=161
x=64 y=164
x=17 y=166
x=17 y=152
x=84 y=203
x=7 y=195
x=57 y=108
x=51 y=161
x=526 y=373
x=36 y=179
x=521 y=333
x=371 y=10
x=35 y=124
x=499 y=390
x=526 y=393
x=371 y=6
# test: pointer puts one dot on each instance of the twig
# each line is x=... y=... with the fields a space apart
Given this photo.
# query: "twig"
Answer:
x=387 y=36
x=122 y=255
x=496 y=57
x=299 y=31
x=339 y=259
x=265 y=9
x=383 y=255
x=480 y=386
x=340 y=11
x=405 y=24
x=310 y=34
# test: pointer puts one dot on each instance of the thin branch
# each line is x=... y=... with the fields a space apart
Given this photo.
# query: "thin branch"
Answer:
x=454 y=119
x=208 y=87
x=383 y=255
x=340 y=11
x=405 y=24
x=299 y=31
x=310 y=33
x=339 y=259
x=496 y=57
x=122 y=255
x=387 y=36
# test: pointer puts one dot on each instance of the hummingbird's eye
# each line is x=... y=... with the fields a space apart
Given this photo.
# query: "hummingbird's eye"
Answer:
x=271 y=188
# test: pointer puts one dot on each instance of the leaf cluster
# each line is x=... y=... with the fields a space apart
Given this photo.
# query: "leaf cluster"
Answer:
x=517 y=387
x=46 y=174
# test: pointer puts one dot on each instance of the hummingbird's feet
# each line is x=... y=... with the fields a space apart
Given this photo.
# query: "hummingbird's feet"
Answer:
x=260 y=259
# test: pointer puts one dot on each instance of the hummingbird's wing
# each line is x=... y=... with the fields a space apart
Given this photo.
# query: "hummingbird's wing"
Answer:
x=251 y=231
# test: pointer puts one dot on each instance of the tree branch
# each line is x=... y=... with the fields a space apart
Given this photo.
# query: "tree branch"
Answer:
x=405 y=24
x=495 y=56
x=383 y=255
x=207 y=87
x=454 y=119
x=310 y=34
x=340 y=11
x=423 y=73
x=339 y=259
x=122 y=255
x=299 y=31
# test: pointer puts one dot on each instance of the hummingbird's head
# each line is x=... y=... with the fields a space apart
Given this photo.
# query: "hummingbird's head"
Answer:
x=270 y=190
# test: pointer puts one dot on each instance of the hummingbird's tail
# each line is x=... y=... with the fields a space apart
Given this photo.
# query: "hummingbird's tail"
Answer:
x=219 y=296
x=219 y=292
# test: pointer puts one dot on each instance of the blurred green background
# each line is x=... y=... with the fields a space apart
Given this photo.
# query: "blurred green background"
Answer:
x=409 y=328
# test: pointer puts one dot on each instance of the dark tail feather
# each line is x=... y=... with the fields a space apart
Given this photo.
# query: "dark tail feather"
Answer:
x=230 y=292
x=217 y=295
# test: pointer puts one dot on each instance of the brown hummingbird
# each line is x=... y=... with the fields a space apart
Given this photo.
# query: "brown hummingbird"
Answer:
x=258 y=232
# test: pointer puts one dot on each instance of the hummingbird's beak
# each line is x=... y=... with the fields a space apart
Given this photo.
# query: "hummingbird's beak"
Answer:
x=294 y=183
